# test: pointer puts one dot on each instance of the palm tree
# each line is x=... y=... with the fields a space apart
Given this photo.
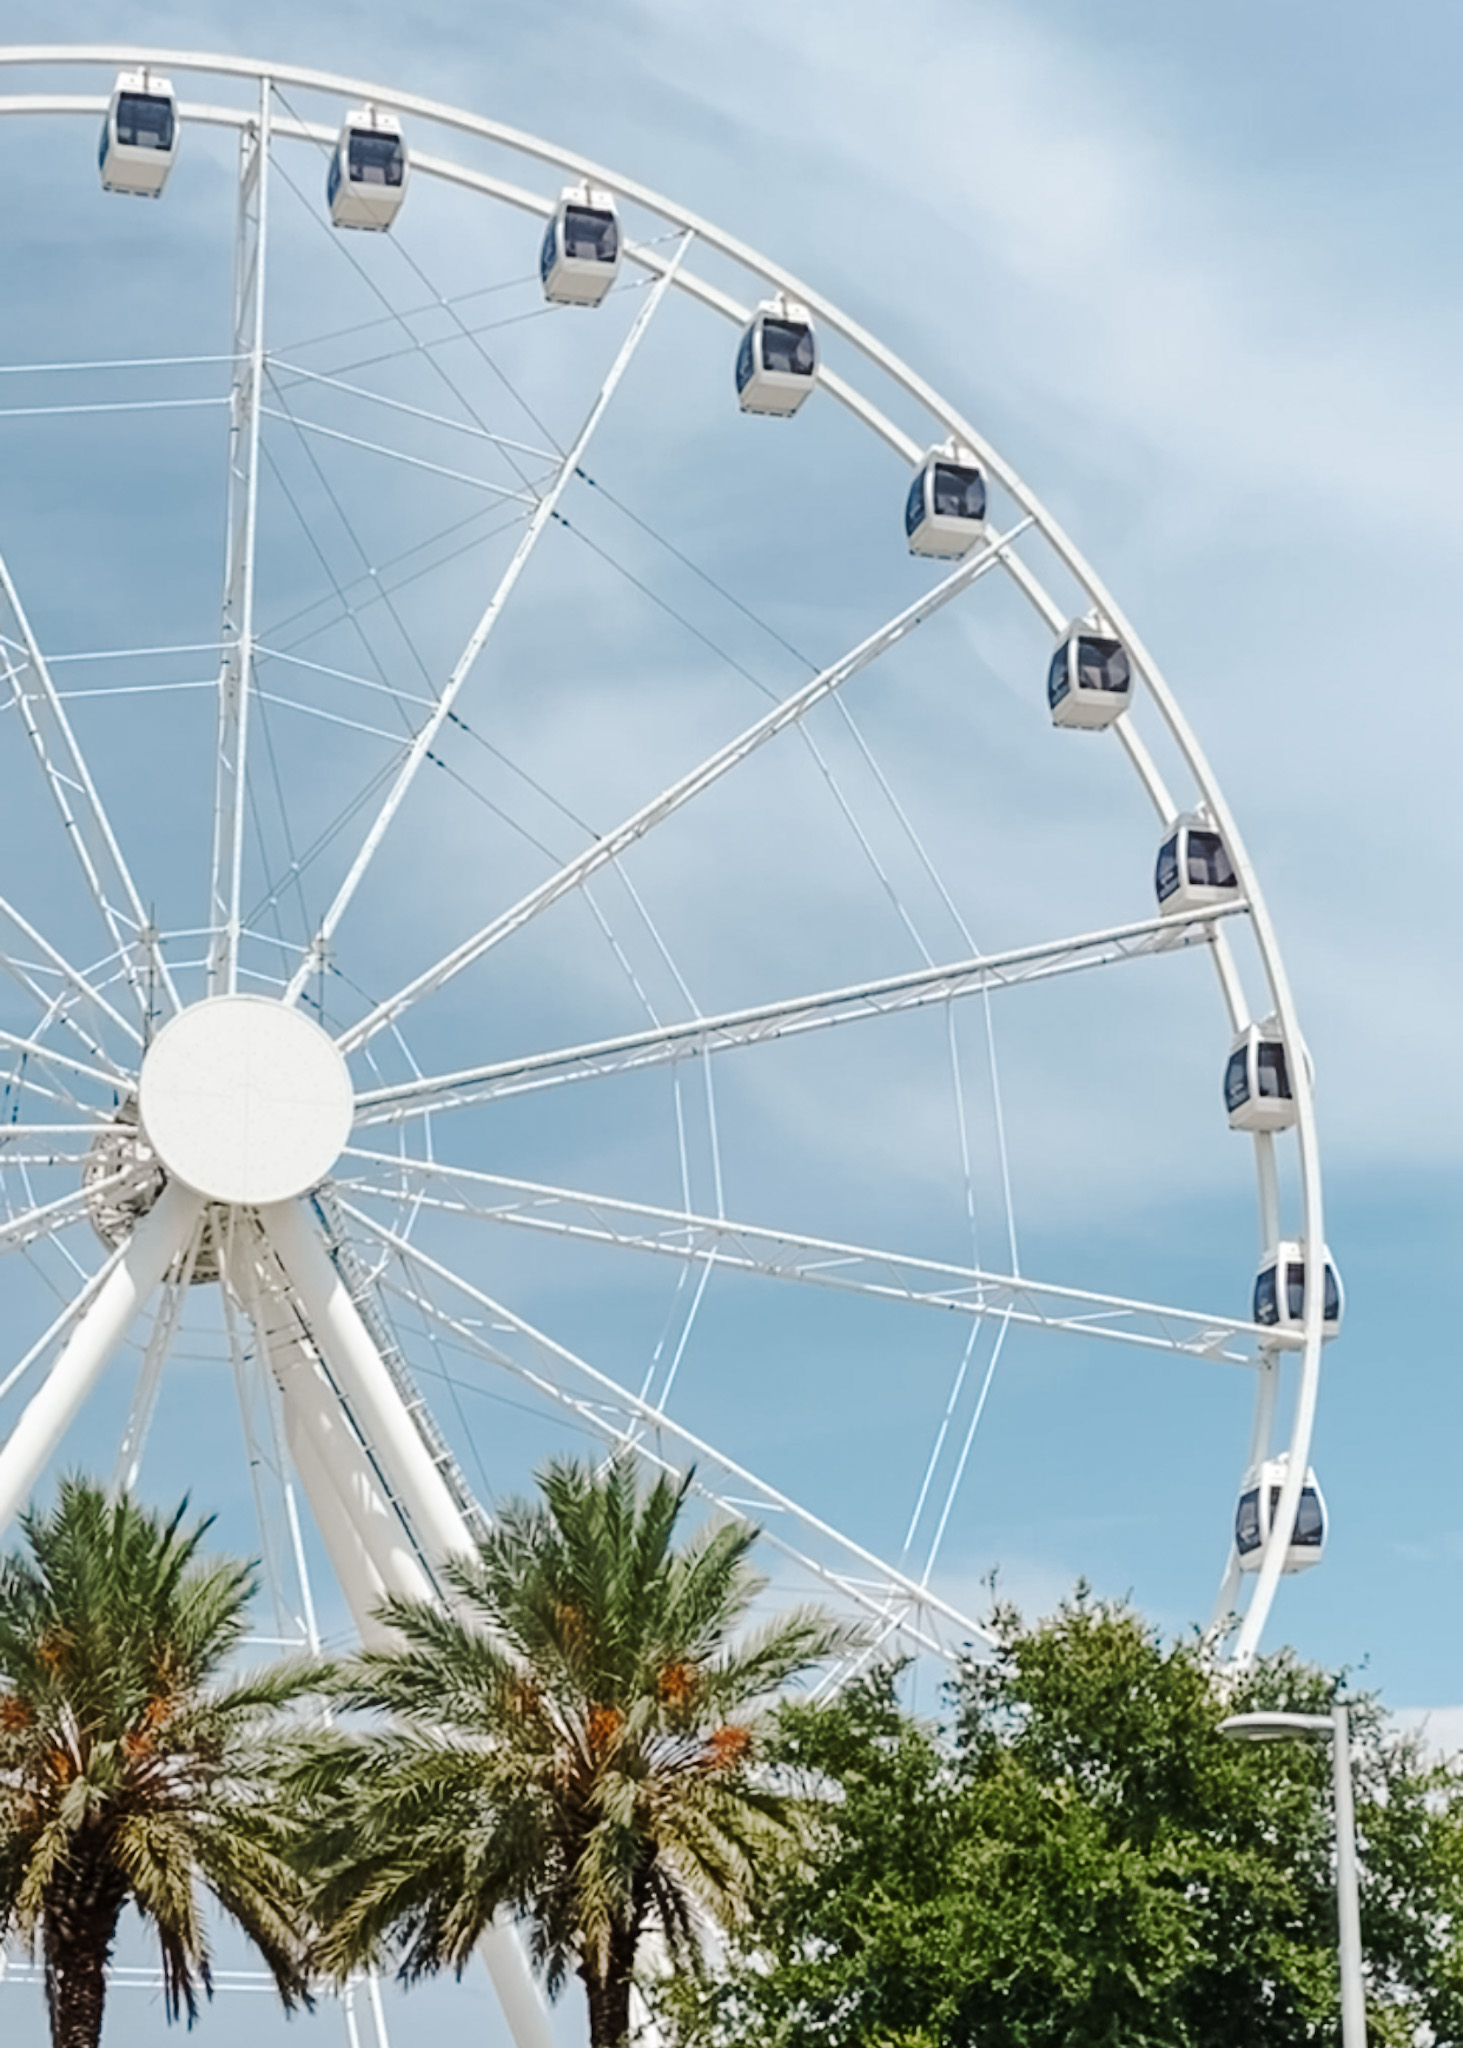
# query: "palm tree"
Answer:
x=576 y=1741
x=129 y=1770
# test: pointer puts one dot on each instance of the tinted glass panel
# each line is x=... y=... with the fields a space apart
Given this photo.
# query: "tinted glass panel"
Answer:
x=1273 y=1075
x=548 y=250
x=787 y=345
x=1208 y=863
x=145 y=120
x=1166 y=874
x=1266 y=1307
x=914 y=504
x=1295 y=1290
x=744 y=361
x=1058 y=682
x=1331 y=1299
x=1102 y=665
x=1310 y=1523
x=1247 y=1522
x=957 y=492
x=590 y=234
x=376 y=159
x=1237 y=1078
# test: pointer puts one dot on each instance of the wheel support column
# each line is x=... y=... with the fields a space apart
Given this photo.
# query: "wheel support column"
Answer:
x=355 y=1365
x=158 y=1239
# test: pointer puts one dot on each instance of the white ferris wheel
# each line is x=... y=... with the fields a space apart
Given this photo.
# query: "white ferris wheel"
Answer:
x=420 y=988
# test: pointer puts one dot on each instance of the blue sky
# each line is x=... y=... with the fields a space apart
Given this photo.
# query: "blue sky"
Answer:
x=1196 y=276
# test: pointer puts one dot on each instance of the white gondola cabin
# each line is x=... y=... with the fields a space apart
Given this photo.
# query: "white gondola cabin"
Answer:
x=366 y=182
x=777 y=363
x=580 y=256
x=944 y=514
x=1193 y=870
x=1280 y=1292
x=1257 y=1090
x=1089 y=682
x=1254 y=1517
x=139 y=138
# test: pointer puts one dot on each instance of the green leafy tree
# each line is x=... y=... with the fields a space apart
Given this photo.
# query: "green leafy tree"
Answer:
x=1079 y=1861
x=131 y=1770
x=576 y=1741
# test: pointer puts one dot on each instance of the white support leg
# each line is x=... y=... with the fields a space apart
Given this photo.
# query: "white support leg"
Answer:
x=335 y=1326
x=158 y=1239
x=363 y=1535
x=356 y=1367
x=316 y=1426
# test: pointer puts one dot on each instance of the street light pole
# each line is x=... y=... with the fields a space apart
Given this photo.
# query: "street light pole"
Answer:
x=1266 y=1727
x=1348 y=1904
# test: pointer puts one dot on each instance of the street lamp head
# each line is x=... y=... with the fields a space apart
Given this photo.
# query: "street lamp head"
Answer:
x=1275 y=1727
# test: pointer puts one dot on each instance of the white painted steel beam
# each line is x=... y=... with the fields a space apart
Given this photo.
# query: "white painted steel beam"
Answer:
x=16 y=1232
x=611 y=845
x=766 y=1022
x=71 y=980
x=334 y=1326
x=425 y=737
x=33 y=696
x=158 y=1239
x=570 y=1382
x=818 y=1262
x=355 y=1365
x=945 y=419
x=327 y=1451
x=236 y=674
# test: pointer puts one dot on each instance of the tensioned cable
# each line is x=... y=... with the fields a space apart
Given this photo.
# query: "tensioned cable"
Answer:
x=348 y=610
x=356 y=543
x=284 y=368
x=482 y=291
x=372 y=285
x=923 y=857
x=467 y=335
x=432 y=1336
x=456 y=476
x=867 y=847
x=426 y=348
x=252 y=798
x=347 y=524
x=377 y=582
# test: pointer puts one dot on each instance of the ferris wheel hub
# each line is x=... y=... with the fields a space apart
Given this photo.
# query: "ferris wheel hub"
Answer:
x=245 y=1100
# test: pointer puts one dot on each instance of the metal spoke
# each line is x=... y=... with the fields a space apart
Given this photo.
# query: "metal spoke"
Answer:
x=89 y=830
x=69 y=1314
x=864 y=1580
x=78 y=984
x=819 y=1262
x=18 y=1231
x=771 y=1021
x=161 y=1236
x=32 y=1050
x=424 y=739
x=237 y=672
x=615 y=843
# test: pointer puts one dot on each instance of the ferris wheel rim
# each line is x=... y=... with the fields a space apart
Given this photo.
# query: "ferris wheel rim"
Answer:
x=963 y=432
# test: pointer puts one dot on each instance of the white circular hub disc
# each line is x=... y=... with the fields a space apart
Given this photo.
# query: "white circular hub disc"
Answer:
x=244 y=1100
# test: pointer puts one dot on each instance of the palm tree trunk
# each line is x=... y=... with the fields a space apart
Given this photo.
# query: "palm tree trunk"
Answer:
x=80 y=1923
x=609 y=1995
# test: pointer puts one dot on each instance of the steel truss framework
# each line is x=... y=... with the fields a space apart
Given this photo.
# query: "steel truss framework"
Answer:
x=308 y=1282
